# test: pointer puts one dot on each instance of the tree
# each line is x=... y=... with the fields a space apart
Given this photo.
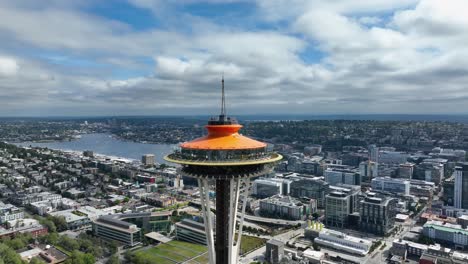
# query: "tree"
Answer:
x=60 y=222
x=78 y=257
x=48 y=223
x=8 y=255
x=68 y=243
x=114 y=259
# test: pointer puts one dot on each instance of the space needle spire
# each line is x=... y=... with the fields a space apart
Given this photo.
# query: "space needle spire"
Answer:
x=223 y=101
x=224 y=161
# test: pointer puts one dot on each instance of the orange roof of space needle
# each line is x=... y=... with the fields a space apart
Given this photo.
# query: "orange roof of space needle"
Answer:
x=223 y=134
x=223 y=137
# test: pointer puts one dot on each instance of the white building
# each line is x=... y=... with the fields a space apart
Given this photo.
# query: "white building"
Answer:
x=9 y=212
x=392 y=185
x=343 y=242
x=147 y=159
x=393 y=157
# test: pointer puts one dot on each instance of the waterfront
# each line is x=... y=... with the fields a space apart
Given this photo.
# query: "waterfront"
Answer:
x=106 y=144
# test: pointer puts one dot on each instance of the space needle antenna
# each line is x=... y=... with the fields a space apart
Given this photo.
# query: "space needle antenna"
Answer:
x=223 y=99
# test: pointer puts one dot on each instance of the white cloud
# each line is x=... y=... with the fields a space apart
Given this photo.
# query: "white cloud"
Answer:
x=8 y=66
x=414 y=62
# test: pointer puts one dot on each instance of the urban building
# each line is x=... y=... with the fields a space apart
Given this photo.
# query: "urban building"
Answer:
x=391 y=185
x=9 y=212
x=284 y=207
x=429 y=171
x=368 y=170
x=403 y=248
x=342 y=176
x=406 y=170
x=340 y=203
x=113 y=228
x=377 y=215
x=312 y=150
x=145 y=179
x=461 y=186
x=342 y=242
x=190 y=231
x=274 y=251
x=314 y=188
x=453 y=235
x=263 y=188
x=148 y=159
x=23 y=226
x=73 y=218
x=392 y=157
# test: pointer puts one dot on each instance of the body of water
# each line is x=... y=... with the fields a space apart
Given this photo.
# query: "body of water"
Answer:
x=107 y=145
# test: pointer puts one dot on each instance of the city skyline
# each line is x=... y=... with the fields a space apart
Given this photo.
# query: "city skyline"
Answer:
x=143 y=57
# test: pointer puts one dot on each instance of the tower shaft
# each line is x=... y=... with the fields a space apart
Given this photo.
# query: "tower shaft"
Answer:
x=223 y=200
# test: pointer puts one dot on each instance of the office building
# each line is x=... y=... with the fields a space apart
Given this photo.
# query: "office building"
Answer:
x=113 y=228
x=9 y=212
x=461 y=186
x=393 y=157
x=368 y=170
x=336 y=176
x=148 y=159
x=342 y=242
x=403 y=248
x=406 y=170
x=453 y=235
x=284 y=207
x=274 y=251
x=391 y=185
x=263 y=188
x=312 y=188
x=377 y=215
x=429 y=171
x=190 y=231
x=340 y=203
x=448 y=186
x=74 y=219
x=312 y=150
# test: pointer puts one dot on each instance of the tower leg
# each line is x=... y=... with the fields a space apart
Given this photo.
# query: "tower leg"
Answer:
x=203 y=186
x=245 y=192
x=222 y=221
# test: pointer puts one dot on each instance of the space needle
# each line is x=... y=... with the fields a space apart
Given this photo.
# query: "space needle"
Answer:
x=226 y=161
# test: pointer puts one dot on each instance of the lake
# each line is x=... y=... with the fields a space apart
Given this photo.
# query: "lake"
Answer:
x=105 y=144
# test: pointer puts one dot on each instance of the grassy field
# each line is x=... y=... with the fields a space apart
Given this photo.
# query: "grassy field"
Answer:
x=172 y=252
x=249 y=243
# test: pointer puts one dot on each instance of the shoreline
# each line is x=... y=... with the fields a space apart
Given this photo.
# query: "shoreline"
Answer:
x=101 y=151
x=78 y=138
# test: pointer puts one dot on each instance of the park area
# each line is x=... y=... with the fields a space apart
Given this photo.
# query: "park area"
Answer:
x=173 y=252
x=184 y=252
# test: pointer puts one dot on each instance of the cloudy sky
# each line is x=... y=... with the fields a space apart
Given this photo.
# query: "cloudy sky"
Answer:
x=155 y=57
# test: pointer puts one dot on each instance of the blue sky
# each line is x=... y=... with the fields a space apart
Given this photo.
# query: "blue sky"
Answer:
x=151 y=57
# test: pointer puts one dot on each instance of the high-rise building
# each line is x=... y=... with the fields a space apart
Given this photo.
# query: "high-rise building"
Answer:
x=274 y=251
x=263 y=188
x=461 y=186
x=368 y=170
x=340 y=203
x=284 y=207
x=147 y=159
x=406 y=170
x=342 y=176
x=311 y=188
x=378 y=215
x=391 y=185
x=374 y=153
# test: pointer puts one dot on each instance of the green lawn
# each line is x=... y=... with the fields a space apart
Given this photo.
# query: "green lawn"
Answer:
x=172 y=252
x=249 y=243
